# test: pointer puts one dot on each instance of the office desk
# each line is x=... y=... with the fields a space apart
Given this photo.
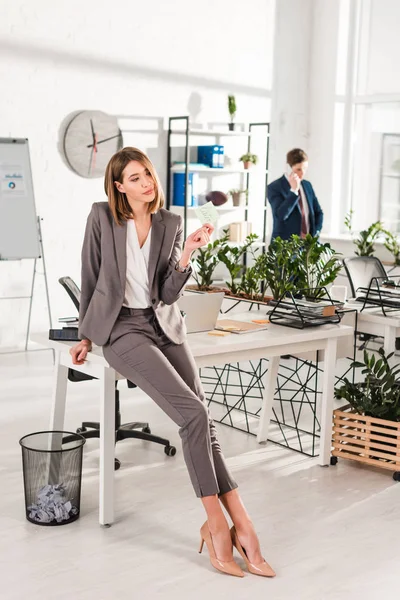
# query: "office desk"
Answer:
x=208 y=351
x=374 y=322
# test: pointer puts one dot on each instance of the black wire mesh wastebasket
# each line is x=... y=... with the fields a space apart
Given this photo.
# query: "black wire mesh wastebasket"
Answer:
x=52 y=470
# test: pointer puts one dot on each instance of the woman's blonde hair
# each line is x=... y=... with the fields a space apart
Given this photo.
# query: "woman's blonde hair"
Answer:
x=117 y=200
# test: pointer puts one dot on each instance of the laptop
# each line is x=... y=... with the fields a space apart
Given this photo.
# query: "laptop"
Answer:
x=202 y=310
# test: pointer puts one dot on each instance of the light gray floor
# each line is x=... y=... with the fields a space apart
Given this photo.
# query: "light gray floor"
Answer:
x=330 y=533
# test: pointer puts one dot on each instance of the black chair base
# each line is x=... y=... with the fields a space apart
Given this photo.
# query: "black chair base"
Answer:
x=136 y=430
x=129 y=430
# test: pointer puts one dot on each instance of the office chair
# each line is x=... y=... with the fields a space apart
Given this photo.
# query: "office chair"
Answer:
x=90 y=429
x=360 y=270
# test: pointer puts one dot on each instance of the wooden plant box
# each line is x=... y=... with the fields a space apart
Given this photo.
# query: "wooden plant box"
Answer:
x=216 y=290
x=367 y=440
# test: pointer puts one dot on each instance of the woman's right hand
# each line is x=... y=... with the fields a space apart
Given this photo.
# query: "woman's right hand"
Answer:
x=79 y=352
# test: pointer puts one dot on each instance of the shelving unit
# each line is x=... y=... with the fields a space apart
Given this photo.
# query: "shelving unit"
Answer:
x=181 y=127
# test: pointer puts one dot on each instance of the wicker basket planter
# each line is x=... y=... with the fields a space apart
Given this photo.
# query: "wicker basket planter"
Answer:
x=368 y=440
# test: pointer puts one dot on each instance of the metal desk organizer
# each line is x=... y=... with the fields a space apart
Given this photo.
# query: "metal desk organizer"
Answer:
x=305 y=308
x=382 y=292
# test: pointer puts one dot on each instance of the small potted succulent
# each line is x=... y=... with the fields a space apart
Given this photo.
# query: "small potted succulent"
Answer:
x=238 y=198
x=249 y=159
x=232 y=111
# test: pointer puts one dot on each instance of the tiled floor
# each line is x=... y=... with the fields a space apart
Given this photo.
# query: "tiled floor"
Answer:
x=330 y=533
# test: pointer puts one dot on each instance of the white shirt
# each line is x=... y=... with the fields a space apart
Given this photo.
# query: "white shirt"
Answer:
x=305 y=204
x=137 y=293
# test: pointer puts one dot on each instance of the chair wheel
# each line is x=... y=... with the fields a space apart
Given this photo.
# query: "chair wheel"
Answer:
x=396 y=475
x=81 y=430
x=334 y=460
x=170 y=450
x=117 y=464
x=146 y=430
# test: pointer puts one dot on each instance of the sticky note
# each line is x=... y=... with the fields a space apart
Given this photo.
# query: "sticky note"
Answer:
x=260 y=321
x=207 y=213
x=219 y=333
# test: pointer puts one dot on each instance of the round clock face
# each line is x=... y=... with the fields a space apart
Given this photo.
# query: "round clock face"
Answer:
x=90 y=140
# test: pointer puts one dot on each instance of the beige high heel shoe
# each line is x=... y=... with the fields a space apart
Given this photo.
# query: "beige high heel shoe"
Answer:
x=228 y=567
x=262 y=569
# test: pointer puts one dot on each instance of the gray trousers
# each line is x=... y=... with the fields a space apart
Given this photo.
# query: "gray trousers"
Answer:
x=140 y=351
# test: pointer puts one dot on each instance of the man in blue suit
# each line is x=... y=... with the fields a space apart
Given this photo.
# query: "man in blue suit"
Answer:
x=295 y=207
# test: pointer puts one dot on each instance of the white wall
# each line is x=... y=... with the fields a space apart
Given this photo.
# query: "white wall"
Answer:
x=290 y=88
x=303 y=91
x=146 y=59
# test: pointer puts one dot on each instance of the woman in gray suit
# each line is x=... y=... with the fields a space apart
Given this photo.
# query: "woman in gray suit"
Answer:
x=133 y=272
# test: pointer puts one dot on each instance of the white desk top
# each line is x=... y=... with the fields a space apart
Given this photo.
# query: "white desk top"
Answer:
x=203 y=345
x=375 y=314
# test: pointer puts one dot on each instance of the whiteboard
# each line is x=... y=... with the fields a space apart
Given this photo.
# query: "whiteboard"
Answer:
x=19 y=236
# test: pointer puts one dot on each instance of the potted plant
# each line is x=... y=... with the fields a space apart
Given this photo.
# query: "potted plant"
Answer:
x=232 y=111
x=317 y=266
x=298 y=264
x=366 y=238
x=278 y=267
x=237 y=197
x=231 y=257
x=248 y=159
x=204 y=262
x=393 y=246
x=368 y=429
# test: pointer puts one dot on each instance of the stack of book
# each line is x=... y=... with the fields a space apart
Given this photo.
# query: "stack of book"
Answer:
x=69 y=322
x=239 y=231
x=300 y=312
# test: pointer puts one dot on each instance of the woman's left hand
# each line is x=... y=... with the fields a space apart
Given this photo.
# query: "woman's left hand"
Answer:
x=199 y=238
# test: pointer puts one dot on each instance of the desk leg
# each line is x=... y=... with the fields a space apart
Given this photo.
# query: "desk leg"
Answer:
x=327 y=402
x=107 y=446
x=389 y=340
x=268 y=398
x=59 y=395
x=60 y=380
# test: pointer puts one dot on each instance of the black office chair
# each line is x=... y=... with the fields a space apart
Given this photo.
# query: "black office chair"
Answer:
x=122 y=431
x=360 y=271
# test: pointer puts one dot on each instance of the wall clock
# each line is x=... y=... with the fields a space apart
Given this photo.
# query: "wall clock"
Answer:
x=90 y=140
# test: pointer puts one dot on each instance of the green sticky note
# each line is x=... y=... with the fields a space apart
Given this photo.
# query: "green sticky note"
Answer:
x=207 y=213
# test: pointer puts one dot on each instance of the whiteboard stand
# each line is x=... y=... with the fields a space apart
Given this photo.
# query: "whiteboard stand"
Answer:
x=30 y=297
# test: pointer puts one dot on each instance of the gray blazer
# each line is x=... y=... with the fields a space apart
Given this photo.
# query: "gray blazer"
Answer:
x=104 y=274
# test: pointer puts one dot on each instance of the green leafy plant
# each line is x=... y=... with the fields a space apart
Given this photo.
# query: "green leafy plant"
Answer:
x=250 y=283
x=249 y=158
x=318 y=265
x=232 y=107
x=348 y=220
x=379 y=394
x=392 y=245
x=232 y=256
x=204 y=263
x=298 y=264
x=252 y=277
x=279 y=266
x=366 y=238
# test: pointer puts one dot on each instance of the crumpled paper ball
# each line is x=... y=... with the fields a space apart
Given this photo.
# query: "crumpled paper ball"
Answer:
x=51 y=505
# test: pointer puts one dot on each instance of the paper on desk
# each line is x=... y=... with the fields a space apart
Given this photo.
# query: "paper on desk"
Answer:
x=207 y=213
